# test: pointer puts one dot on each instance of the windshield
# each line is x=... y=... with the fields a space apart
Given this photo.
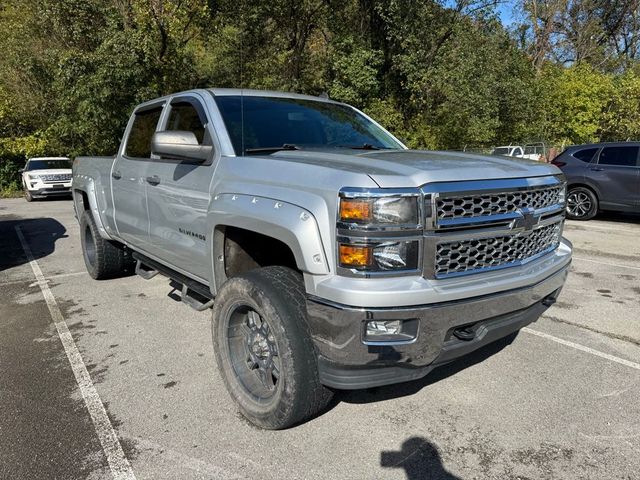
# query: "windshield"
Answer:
x=272 y=122
x=48 y=164
x=501 y=151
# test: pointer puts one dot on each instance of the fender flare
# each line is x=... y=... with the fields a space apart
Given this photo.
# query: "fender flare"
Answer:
x=289 y=223
x=85 y=184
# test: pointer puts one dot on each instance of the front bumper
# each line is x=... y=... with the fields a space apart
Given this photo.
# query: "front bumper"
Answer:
x=49 y=190
x=345 y=362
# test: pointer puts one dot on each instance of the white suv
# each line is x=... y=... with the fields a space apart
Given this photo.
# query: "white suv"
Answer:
x=46 y=176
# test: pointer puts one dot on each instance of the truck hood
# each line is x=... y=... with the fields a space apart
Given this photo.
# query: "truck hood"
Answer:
x=413 y=168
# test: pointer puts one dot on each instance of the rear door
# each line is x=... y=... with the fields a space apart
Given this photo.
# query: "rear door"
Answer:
x=617 y=177
x=179 y=197
x=129 y=173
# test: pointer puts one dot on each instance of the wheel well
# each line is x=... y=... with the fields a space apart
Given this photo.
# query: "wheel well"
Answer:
x=82 y=201
x=583 y=185
x=245 y=250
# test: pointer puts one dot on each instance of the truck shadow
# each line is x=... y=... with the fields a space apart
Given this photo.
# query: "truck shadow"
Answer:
x=379 y=394
x=40 y=233
x=420 y=460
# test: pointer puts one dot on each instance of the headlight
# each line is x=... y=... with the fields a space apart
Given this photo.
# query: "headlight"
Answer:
x=380 y=257
x=379 y=210
x=33 y=176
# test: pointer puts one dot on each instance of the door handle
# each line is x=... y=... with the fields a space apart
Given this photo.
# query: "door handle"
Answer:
x=116 y=174
x=154 y=180
x=596 y=169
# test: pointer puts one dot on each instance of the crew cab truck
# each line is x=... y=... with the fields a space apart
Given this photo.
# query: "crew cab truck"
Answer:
x=331 y=255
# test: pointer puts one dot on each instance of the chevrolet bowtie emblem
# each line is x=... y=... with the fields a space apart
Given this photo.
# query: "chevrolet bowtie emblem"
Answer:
x=527 y=221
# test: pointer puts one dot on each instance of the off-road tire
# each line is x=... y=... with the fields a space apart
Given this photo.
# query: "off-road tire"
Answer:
x=103 y=258
x=277 y=295
x=582 y=203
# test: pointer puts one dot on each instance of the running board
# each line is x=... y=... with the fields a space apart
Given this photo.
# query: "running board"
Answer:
x=192 y=293
x=190 y=297
x=144 y=271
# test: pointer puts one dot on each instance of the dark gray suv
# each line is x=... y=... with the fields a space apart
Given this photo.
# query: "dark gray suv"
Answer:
x=601 y=176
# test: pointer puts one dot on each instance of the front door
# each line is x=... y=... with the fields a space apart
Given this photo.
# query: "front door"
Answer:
x=616 y=175
x=178 y=201
x=129 y=177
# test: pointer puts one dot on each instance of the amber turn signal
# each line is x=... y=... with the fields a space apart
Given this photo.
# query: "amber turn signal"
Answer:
x=351 y=256
x=355 y=209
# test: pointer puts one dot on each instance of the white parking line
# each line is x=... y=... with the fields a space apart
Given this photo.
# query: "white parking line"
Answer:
x=50 y=277
x=583 y=227
x=582 y=348
x=120 y=467
x=605 y=263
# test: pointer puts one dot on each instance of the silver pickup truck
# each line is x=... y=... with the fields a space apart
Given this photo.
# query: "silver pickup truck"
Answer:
x=332 y=256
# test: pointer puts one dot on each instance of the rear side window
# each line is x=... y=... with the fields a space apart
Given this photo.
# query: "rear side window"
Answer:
x=143 y=128
x=184 y=116
x=621 y=156
x=585 y=155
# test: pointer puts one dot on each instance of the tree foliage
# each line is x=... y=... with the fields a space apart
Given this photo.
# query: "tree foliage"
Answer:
x=438 y=73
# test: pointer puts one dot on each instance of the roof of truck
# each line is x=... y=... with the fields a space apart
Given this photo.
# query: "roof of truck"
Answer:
x=49 y=158
x=265 y=93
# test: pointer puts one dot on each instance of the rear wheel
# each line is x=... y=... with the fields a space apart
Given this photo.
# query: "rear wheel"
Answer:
x=582 y=204
x=103 y=258
x=264 y=350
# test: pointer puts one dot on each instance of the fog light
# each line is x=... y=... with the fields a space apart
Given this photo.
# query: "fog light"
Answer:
x=396 y=332
x=383 y=327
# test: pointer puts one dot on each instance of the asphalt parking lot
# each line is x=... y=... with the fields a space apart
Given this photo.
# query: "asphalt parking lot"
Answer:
x=561 y=401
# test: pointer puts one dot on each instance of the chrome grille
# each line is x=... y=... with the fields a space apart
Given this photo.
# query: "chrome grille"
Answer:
x=56 y=177
x=475 y=255
x=478 y=205
x=481 y=225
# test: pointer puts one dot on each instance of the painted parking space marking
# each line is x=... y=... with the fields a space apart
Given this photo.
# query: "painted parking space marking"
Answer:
x=118 y=463
x=605 y=263
x=582 y=348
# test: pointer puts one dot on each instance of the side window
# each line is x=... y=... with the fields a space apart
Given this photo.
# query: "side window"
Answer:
x=621 y=156
x=184 y=116
x=143 y=128
x=517 y=152
x=585 y=155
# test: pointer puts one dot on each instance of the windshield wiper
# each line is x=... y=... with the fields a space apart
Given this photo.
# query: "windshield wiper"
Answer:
x=364 y=146
x=286 y=146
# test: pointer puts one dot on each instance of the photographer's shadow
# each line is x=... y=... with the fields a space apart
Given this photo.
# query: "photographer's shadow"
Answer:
x=420 y=460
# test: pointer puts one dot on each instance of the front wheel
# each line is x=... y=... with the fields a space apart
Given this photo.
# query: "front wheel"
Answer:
x=582 y=204
x=263 y=348
x=27 y=195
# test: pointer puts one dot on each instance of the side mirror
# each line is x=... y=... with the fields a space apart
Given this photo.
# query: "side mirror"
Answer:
x=180 y=144
x=21 y=170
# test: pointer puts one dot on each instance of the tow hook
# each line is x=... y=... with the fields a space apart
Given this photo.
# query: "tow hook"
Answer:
x=548 y=301
x=464 y=333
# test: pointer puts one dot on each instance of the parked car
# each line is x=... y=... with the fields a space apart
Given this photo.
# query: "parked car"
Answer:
x=46 y=177
x=509 y=151
x=601 y=176
x=333 y=257
x=530 y=151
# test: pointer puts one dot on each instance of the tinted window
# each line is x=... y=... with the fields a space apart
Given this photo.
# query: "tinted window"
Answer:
x=516 y=152
x=184 y=116
x=46 y=164
x=263 y=122
x=501 y=151
x=625 y=156
x=585 y=155
x=143 y=128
